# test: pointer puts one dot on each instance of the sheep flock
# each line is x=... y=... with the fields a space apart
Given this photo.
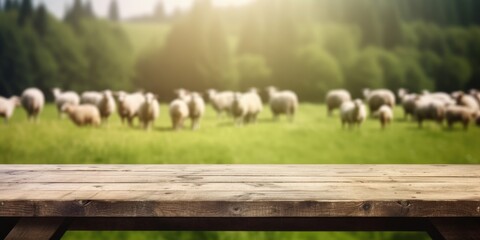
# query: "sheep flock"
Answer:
x=94 y=108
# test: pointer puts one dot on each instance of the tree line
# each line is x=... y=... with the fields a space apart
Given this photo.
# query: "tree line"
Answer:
x=309 y=46
x=80 y=52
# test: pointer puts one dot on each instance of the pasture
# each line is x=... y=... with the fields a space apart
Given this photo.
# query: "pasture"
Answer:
x=313 y=138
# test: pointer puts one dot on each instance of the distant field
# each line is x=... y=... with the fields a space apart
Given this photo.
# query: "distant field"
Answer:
x=145 y=35
x=313 y=138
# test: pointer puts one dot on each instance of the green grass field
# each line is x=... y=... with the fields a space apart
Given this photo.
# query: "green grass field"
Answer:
x=313 y=138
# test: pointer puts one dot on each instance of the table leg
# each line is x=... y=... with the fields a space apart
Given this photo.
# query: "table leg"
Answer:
x=38 y=228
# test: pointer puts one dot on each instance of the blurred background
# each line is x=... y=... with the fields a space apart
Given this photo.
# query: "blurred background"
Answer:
x=309 y=46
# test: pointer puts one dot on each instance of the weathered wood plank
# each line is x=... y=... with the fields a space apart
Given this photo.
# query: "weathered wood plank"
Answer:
x=333 y=170
x=38 y=229
x=258 y=190
x=238 y=208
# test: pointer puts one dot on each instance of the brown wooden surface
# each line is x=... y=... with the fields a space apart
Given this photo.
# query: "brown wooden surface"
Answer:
x=455 y=229
x=38 y=229
x=239 y=191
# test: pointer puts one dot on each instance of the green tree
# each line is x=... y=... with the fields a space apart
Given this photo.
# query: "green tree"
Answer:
x=113 y=12
x=26 y=12
x=317 y=72
x=453 y=74
x=40 y=23
x=253 y=71
x=366 y=72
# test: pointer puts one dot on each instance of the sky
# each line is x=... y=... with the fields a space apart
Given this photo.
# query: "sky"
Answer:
x=131 y=8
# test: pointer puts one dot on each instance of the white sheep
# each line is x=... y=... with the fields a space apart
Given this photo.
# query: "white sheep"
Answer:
x=385 y=114
x=183 y=94
x=468 y=101
x=353 y=113
x=427 y=108
x=378 y=98
x=62 y=98
x=440 y=96
x=149 y=111
x=129 y=106
x=454 y=114
x=221 y=101
x=91 y=97
x=239 y=108
x=408 y=102
x=7 y=107
x=282 y=102
x=106 y=105
x=335 y=99
x=196 y=109
x=83 y=115
x=476 y=94
x=33 y=101
x=178 y=113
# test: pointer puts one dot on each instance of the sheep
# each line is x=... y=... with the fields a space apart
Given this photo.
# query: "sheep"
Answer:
x=385 y=114
x=90 y=97
x=461 y=114
x=106 y=105
x=353 y=112
x=83 y=115
x=440 y=96
x=335 y=99
x=468 y=101
x=378 y=98
x=178 y=113
x=427 y=108
x=282 y=102
x=239 y=108
x=476 y=94
x=183 y=94
x=33 y=101
x=196 y=108
x=7 y=107
x=149 y=111
x=221 y=101
x=408 y=102
x=129 y=106
x=62 y=98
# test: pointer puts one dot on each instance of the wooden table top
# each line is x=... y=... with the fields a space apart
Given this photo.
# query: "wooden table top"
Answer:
x=240 y=190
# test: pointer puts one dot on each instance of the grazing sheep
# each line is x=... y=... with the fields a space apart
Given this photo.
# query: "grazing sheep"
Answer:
x=353 y=112
x=408 y=102
x=149 y=111
x=221 y=101
x=129 y=106
x=385 y=114
x=335 y=99
x=183 y=94
x=461 y=114
x=178 y=113
x=92 y=98
x=7 y=107
x=468 y=101
x=440 y=96
x=282 y=102
x=239 y=108
x=62 y=98
x=107 y=105
x=378 y=98
x=33 y=101
x=83 y=115
x=196 y=108
x=476 y=94
x=427 y=108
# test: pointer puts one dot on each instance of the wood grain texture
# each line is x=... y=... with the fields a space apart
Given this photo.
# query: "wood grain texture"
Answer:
x=38 y=229
x=239 y=191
